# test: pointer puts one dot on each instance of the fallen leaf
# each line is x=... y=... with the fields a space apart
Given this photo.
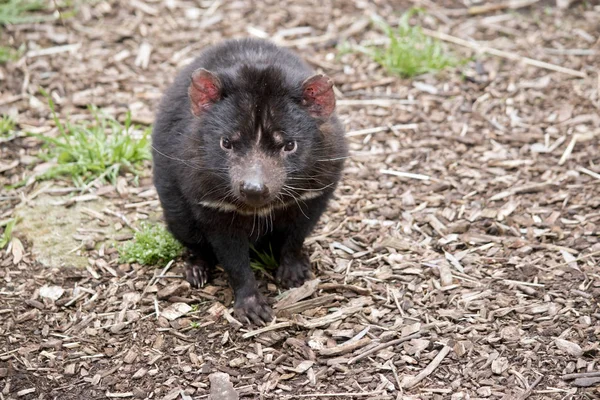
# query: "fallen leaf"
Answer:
x=17 y=251
x=176 y=310
x=570 y=348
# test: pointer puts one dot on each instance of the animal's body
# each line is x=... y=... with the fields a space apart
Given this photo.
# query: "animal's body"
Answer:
x=247 y=151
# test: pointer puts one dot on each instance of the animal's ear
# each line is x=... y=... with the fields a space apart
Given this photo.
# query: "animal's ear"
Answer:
x=204 y=90
x=318 y=96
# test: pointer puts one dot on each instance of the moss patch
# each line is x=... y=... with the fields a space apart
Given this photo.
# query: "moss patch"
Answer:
x=50 y=229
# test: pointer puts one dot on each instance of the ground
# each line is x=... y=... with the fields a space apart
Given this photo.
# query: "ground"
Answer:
x=477 y=261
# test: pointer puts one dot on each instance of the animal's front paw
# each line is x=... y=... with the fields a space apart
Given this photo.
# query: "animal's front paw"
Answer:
x=293 y=271
x=196 y=273
x=252 y=308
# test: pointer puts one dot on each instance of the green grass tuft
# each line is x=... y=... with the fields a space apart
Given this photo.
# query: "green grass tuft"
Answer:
x=7 y=125
x=20 y=11
x=100 y=149
x=410 y=52
x=151 y=245
x=263 y=261
x=8 y=54
x=7 y=234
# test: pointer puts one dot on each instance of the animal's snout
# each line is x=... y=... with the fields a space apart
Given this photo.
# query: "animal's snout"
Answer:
x=254 y=191
x=257 y=180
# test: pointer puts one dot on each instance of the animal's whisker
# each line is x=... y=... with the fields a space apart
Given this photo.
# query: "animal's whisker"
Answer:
x=289 y=193
x=309 y=189
x=187 y=162
x=334 y=159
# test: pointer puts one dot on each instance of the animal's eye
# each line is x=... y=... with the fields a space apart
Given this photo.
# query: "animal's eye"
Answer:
x=290 y=145
x=226 y=143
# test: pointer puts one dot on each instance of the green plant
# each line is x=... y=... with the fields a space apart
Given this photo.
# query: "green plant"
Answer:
x=194 y=325
x=99 y=149
x=7 y=234
x=7 y=124
x=409 y=52
x=8 y=54
x=151 y=245
x=20 y=11
x=263 y=261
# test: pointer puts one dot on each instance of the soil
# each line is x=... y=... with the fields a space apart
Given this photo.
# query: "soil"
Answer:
x=459 y=259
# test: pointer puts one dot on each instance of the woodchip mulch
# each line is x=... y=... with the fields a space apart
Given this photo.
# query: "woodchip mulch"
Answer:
x=459 y=259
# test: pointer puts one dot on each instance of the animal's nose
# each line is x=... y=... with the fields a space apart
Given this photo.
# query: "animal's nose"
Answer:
x=254 y=191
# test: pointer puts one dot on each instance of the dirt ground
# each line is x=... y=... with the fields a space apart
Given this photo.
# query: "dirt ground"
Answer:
x=471 y=274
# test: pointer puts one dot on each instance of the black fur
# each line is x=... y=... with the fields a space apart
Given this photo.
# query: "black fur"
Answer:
x=261 y=87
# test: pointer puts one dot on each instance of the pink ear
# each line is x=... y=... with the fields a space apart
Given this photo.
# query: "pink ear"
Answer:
x=204 y=90
x=318 y=96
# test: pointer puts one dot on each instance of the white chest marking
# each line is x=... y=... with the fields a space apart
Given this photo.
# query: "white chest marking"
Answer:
x=264 y=211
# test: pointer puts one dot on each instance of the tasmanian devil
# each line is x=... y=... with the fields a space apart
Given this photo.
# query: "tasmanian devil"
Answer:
x=247 y=152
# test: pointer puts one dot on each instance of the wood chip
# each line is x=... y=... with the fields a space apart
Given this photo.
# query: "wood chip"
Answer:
x=344 y=348
x=409 y=382
x=294 y=295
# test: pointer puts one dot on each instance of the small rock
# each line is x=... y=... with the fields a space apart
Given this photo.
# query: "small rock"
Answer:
x=205 y=368
x=389 y=212
x=570 y=348
x=586 y=382
x=70 y=369
x=131 y=297
x=116 y=328
x=499 y=365
x=484 y=391
x=163 y=322
x=510 y=333
x=563 y=4
x=194 y=358
x=51 y=292
x=221 y=388
x=139 y=393
x=237 y=362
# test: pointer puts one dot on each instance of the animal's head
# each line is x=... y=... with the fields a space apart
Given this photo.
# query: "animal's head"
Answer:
x=261 y=131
